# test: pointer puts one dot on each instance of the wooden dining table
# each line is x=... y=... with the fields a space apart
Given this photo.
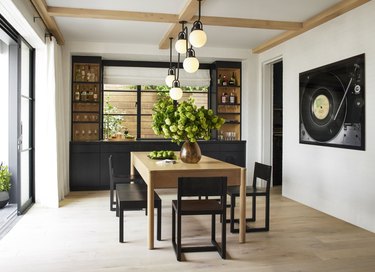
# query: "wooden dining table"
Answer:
x=165 y=175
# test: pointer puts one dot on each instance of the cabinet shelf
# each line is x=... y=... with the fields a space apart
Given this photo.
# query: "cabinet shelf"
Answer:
x=229 y=104
x=219 y=112
x=229 y=86
x=85 y=122
x=89 y=102
x=231 y=112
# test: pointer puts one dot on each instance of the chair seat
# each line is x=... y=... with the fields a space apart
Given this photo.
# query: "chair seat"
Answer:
x=199 y=206
x=131 y=197
x=250 y=190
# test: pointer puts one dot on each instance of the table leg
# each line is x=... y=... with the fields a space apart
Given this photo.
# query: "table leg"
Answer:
x=242 y=223
x=150 y=214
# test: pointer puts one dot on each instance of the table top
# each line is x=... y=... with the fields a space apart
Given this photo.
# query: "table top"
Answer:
x=166 y=175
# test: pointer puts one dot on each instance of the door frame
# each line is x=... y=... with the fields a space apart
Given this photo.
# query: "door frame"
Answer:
x=267 y=110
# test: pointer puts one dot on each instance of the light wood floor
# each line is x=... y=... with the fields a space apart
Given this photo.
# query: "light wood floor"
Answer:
x=83 y=236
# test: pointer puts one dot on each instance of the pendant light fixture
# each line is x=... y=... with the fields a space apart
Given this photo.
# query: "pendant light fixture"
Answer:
x=172 y=70
x=198 y=37
x=181 y=44
x=175 y=92
x=191 y=63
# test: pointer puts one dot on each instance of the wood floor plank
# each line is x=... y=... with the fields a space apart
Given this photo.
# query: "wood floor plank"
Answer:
x=82 y=235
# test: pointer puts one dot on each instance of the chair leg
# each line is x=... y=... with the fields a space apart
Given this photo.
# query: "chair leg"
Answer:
x=254 y=202
x=158 y=235
x=178 y=237
x=267 y=219
x=223 y=237
x=111 y=192
x=232 y=206
x=213 y=228
x=121 y=225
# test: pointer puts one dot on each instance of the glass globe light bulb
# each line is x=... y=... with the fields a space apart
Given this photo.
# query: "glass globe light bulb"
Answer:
x=169 y=80
x=175 y=93
x=191 y=64
x=180 y=46
x=198 y=38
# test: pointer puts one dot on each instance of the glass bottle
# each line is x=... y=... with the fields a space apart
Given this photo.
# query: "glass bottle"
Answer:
x=225 y=81
x=219 y=80
x=77 y=94
x=224 y=98
x=232 y=98
x=232 y=80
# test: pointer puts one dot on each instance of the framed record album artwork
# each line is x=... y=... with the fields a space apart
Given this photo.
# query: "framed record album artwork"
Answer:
x=332 y=104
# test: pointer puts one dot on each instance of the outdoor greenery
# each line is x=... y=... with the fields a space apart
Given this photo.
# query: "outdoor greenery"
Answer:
x=4 y=178
x=184 y=121
x=111 y=123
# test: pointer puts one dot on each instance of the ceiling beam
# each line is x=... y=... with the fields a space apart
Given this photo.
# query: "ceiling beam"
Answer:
x=249 y=23
x=49 y=21
x=186 y=14
x=112 y=14
x=324 y=16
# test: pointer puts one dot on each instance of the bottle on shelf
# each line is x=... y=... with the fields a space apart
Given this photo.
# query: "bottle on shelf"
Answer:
x=219 y=80
x=232 y=80
x=77 y=94
x=224 y=98
x=90 y=95
x=84 y=96
x=225 y=80
x=232 y=98
x=95 y=95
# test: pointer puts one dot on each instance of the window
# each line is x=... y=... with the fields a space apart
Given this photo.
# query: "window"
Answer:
x=128 y=108
x=129 y=94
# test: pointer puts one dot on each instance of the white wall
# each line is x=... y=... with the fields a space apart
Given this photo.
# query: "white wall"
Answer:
x=339 y=182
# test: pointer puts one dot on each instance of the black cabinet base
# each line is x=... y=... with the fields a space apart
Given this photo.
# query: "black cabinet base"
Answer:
x=89 y=160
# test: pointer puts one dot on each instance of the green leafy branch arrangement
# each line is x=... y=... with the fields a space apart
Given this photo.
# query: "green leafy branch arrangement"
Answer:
x=4 y=178
x=184 y=121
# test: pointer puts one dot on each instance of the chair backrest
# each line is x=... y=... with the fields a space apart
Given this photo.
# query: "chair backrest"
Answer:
x=202 y=186
x=262 y=171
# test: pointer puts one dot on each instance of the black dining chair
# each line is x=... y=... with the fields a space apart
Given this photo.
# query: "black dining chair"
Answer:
x=115 y=178
x=184 y=205
x=261 y=171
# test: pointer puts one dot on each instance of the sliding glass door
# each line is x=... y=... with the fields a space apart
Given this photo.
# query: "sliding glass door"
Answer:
x=25 y=140
x=17 y=60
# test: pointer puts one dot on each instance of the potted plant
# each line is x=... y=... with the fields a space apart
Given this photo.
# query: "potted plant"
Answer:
x=4 y=185
x=184 y=122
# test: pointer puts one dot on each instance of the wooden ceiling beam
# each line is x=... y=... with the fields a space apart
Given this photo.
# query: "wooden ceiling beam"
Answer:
x=324 y=16
x=249 y=23
x=112 y=14
x=185 y=15
x=49 y=21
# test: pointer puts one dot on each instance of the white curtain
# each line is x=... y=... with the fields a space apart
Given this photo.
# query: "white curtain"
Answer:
x=153 y=76
x=52 y=133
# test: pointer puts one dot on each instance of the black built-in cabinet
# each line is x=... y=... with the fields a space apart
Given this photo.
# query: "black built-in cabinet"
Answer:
x=89 y=160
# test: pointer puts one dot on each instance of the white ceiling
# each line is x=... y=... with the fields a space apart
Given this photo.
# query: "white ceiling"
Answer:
x=148 y=33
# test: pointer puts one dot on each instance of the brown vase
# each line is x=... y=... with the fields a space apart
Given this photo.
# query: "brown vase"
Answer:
x=190 y=152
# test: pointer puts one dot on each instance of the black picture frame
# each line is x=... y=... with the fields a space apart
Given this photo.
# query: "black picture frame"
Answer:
x=332 y=104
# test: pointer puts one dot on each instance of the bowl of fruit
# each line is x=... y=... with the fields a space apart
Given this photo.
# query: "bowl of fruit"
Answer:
x=162 y=155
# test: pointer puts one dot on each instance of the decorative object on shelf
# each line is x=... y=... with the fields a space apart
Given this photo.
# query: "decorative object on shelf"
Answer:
x=4 y=185
x=198 y=37
x=172 y=70
x=190 y=152
x=183 y=122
